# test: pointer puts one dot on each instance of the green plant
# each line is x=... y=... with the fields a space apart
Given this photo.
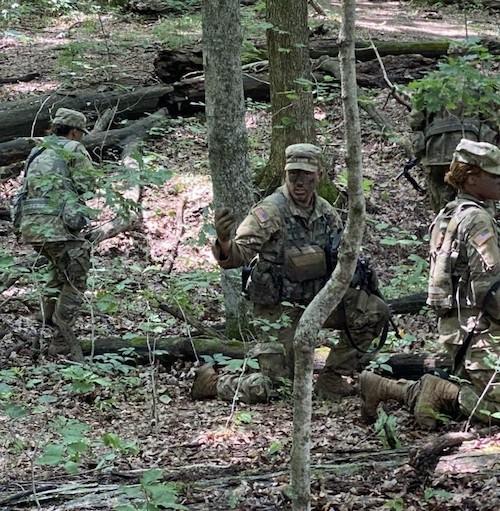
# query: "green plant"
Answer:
x=465 y=82
x=175 y=32
x=83 y=380
x=379 y=362
x=71 y=447
x=437 y=495
x=233 y=365
x=386 y=429
x=395 y=504
x=151 y=494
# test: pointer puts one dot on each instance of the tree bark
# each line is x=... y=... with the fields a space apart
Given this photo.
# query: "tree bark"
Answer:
x=329 y=297
x=290 y=84
x=227 y=137
x=31 y=117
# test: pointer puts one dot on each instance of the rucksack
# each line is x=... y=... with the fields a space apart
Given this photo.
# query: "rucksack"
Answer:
x=16 y=209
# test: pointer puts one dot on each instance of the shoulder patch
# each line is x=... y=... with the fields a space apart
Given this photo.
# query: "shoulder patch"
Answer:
x=261 y=214
x=482 y=237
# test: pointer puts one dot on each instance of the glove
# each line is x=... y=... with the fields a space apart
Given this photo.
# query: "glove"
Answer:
x=224 y=223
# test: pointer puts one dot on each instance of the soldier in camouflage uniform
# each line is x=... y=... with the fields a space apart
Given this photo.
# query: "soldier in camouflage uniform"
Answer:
x=464 y=276
x=435 y=136
x=285 y=237
x=53 y=215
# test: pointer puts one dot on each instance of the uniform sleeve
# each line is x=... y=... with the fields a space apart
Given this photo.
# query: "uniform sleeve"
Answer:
x=483 y=256
x=260 y=225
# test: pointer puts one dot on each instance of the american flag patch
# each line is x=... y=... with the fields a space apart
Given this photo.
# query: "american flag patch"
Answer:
x=482 y=237
x=261 y=214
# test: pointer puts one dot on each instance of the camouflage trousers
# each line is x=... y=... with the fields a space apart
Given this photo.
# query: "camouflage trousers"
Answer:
x=69 y=263
x=476 y=368
x=439 y=192
x=363 y=315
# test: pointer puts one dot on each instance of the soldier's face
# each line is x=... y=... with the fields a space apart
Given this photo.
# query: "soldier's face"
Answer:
x=301 y=185
x=484 y=186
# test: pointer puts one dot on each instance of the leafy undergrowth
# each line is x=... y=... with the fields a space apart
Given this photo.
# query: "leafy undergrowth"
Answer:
x=122 y=433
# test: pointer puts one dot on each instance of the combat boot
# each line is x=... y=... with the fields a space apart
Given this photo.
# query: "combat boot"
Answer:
x=375 y=389
x=332 y=386
x=205 y=383
x=435 y=396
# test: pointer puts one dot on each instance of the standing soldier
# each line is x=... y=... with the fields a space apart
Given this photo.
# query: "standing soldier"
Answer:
x=289 y=239
x=52 y=216
x=435 y=136
x=463 y=289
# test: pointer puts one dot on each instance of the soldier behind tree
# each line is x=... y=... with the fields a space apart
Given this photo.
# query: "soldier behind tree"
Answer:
x=463 y=289
x=57 y=175
x=286 y=236
x=437 y=133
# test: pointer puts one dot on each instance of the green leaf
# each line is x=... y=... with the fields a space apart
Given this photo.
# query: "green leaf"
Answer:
x=47 y=399
x=244 y=417
x=15 y=411
x=151 y=476
x=71 y=467
x=52 y=455
x=275 y=447
x=165 y=399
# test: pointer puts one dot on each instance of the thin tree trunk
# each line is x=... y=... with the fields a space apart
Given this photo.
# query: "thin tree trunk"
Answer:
x=290 y=84
x=329 y=297
x=227 y=137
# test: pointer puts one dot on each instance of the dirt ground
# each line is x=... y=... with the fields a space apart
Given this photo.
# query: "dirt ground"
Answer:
x=80 y=436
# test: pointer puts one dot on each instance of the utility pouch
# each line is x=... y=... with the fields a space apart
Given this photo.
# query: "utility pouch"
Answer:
x=306 y=263
x=73 y=219
x=265 y=283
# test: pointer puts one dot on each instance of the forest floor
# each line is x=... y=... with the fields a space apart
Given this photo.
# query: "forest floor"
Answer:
x=81 y=436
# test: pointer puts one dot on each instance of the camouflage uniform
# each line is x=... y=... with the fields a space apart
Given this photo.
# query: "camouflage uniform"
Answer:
x=290 y=243
x=435 y=136
x=53 y=216
x=465 y=265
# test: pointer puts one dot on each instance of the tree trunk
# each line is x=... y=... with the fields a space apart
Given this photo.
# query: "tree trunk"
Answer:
x=32 y=117
x=290 y=84
x=227 y=137
x=329 y=297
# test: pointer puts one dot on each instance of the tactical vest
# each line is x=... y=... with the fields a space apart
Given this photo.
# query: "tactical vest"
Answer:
x=444 y=251
x=51 y=208
x=292 y=267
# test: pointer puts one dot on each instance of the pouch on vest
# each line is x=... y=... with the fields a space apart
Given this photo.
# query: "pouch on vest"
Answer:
x=305 y=263
x=73 y=219
x=444 y=250
x=265 y=283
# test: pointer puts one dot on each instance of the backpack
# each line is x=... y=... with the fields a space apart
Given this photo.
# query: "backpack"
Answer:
x=16 y=209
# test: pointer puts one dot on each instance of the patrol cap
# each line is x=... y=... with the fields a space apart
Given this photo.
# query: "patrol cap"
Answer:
x=72 y=118
x=303 y=157
x=485 y=156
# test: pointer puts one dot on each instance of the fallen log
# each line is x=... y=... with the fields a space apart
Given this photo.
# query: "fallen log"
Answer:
x=176 y=347
x=364 y=51
x=28 y=118
x=413 y=366
x=411 y=304
x=17 y=79
x=425 y=459
x=19 y=148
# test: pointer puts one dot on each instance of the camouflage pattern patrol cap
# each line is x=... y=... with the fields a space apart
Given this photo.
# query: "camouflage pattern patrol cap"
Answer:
x=485 y=156
x=303 y=157
x=72 y=118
